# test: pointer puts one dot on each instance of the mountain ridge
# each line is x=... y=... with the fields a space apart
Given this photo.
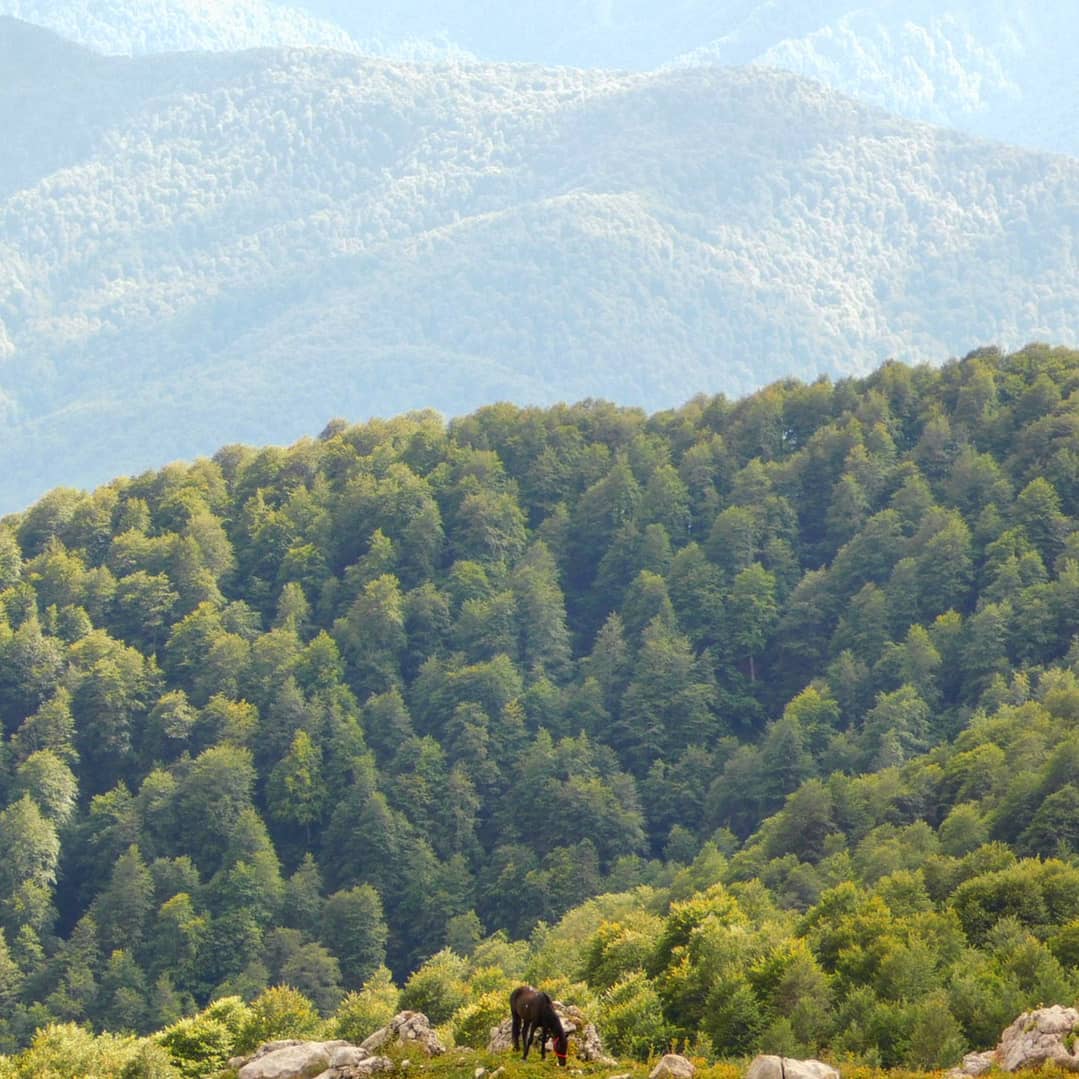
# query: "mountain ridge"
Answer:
x=248 y=219
x=994 y=69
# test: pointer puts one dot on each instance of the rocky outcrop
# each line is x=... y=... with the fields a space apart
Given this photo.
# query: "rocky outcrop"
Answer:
x=773 y=1067
x=309 y=1060
x=977 y=1063
x=406 y=1028
x=364 y=1067
x=585 y=1041
x=1038 y=1036
x=672 y=1066
x=1045 y=1034
x=501 y=1038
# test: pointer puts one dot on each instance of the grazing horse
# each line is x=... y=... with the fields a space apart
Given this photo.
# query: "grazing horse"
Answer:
x=533 y=1011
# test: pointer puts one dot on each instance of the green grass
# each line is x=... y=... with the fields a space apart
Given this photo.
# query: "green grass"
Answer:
x=463 y=1063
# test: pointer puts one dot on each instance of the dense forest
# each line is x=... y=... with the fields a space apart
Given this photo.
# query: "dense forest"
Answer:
x=201 y=248
x=790 y=682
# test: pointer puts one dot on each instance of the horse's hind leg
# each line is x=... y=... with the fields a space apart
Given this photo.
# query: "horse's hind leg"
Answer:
x=516 y=1032
x=529 y=1034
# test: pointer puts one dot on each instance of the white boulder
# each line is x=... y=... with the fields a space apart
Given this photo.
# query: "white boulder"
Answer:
x=773 y=1067
x=290 y=1060
x=672 y=1066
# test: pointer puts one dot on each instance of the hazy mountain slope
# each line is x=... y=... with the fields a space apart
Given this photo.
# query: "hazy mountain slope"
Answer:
x=241 y=246
x=152 y=26
x=1000 y=69
x=997 y=69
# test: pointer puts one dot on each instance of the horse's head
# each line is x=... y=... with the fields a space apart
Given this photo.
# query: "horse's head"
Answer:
x=560 y=1042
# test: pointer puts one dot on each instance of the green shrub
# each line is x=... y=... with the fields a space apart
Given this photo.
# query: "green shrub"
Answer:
x=631 y=1017
x=360 y=1014
x=472 y=1024
x=232 y=1011
x=935 y=1039
x=151 y=1061
x=279 y=1012
x=68 y=1051
x=438 y=988
x=198 y=1045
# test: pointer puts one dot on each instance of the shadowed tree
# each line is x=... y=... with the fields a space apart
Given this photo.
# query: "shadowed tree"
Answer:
x=668 y=704
x=752 y=613
x=28 y=869
x=354 y=930
x=295 y=791
x=372 y=637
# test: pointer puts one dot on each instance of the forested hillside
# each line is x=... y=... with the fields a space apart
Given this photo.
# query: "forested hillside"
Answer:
x=285 y=715
x=990 y=67
x=1002 y=70
x=200 y=248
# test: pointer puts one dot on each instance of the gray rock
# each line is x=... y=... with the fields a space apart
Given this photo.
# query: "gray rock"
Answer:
x=348 y=1056
x=672 y=1066
x=773 y=1067
x=1038 y=1036
x=236 y=1063
x=501 y=1039
x=977 y=1063
x=406 y=1028
x=289 y=1060
x=369 y=1065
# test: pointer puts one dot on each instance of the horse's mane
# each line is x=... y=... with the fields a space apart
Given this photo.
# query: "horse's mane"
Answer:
x=555 y=1023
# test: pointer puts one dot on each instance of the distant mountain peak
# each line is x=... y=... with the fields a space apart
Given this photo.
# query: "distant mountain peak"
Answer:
x=134 y=27
x=24 y=44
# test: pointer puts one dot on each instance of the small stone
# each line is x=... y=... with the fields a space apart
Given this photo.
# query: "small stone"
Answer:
x=977 y=1063
x=673 y=1066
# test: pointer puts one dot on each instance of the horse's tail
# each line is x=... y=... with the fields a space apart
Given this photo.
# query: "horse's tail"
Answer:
x=516 y=1018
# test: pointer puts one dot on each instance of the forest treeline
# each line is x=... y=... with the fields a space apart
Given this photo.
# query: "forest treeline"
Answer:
x=791 y=681
x=200 y=248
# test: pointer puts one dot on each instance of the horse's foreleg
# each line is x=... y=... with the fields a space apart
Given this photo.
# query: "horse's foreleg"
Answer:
x=543 y=1043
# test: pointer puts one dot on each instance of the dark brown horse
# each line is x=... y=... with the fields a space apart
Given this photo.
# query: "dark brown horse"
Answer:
x=533 y=1011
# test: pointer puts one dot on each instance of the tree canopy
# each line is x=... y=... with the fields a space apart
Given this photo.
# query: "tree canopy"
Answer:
x=791 y=683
